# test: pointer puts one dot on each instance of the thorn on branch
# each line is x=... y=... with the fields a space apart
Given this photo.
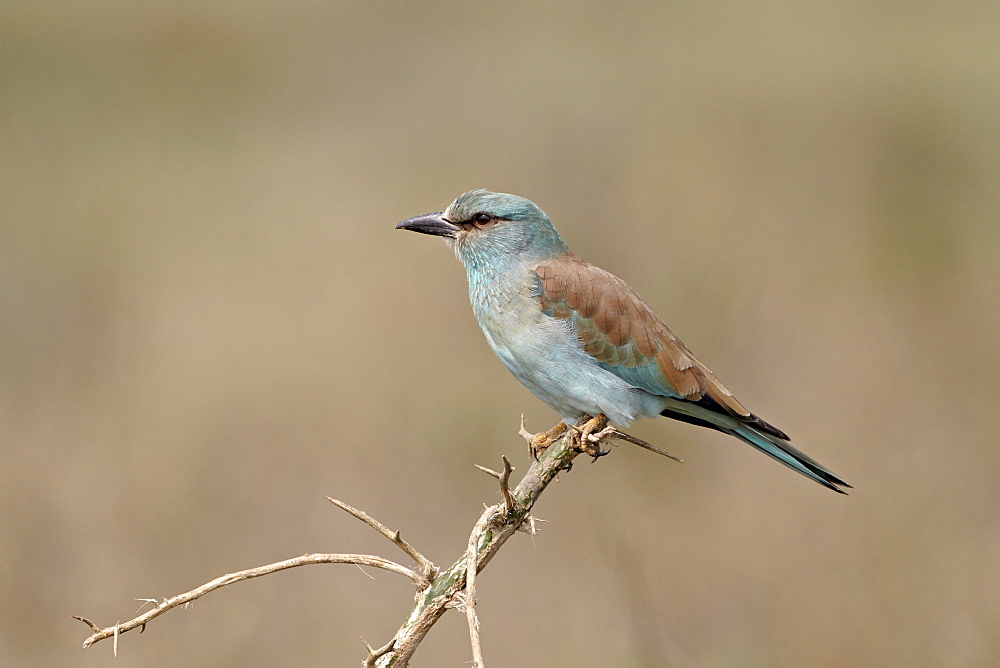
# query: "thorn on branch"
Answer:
x=93 y=627
x=488 y=471
x=524 y=433
x=528 y=526
x=375 y=654
x=147 y=601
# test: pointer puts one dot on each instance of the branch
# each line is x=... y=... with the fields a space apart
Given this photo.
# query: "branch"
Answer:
x=374 y=654
x=611 y=432
x=471 y=561
x=497 y=525
x=472 y=557
x=504 y=478
x=436 y=590
x=231 y=578
x=427 y=569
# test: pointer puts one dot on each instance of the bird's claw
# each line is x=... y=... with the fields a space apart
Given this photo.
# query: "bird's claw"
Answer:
x=588 y=434
x=538 y=443
x=597 y=455
x=585 y=436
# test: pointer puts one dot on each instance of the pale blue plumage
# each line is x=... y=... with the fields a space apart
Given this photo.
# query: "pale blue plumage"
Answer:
x=542 y=352
x=578 y=337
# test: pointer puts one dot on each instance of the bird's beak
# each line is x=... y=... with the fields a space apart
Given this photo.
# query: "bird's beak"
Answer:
x=430 y=223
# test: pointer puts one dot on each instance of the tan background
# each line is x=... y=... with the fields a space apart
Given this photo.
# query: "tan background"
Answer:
x=208 y=324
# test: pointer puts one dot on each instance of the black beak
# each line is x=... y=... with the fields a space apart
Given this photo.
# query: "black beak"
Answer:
x=430 y=223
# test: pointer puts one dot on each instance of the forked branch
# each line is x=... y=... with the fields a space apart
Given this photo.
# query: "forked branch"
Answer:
x=305 y=560
x=436 y=590
x=427 y=569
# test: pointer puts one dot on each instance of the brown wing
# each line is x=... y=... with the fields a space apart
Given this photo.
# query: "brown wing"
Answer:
x=619 y=330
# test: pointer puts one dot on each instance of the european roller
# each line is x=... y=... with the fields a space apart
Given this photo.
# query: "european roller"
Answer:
x=579 y=337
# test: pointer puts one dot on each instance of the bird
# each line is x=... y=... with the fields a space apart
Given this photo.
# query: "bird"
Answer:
x=580 y=338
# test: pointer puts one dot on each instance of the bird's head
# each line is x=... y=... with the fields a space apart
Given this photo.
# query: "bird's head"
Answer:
x=484 y=226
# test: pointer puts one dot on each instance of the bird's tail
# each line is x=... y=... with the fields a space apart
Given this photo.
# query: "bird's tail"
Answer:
x=781 y=450
x=767 y=439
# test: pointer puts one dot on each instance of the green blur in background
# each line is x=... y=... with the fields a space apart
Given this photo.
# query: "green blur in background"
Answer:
x=208 y=324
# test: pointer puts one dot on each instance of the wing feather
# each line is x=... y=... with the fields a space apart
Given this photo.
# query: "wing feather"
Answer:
x=622 y=332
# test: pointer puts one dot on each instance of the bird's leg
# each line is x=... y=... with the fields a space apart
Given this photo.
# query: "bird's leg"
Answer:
x=537 y=443
x=588 y=432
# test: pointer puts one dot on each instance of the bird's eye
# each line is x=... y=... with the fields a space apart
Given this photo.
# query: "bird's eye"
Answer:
x=482 y=218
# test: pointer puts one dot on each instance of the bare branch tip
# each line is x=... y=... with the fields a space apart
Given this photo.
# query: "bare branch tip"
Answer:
x=428 y=567
x=524 y=433
x=93 y=627
x=375 y=654
x=508 y=498
x=620 y=435
x=488 y=471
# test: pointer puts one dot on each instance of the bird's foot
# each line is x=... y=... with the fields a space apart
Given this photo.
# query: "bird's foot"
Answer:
x=588 y=433
x=538 y=443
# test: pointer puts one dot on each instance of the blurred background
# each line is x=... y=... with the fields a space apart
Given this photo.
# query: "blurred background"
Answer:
x=208 y=324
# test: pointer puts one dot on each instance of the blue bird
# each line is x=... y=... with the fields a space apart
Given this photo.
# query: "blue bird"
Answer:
x=579 y=337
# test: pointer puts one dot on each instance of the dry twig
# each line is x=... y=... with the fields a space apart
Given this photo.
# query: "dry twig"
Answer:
x=447 y=588
x=427 y=569
x=488 y=471
x=231 y=578
x=611 y=432
x=436 y=590
x=471 y=569
x=508 y=500
x=375 y=654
